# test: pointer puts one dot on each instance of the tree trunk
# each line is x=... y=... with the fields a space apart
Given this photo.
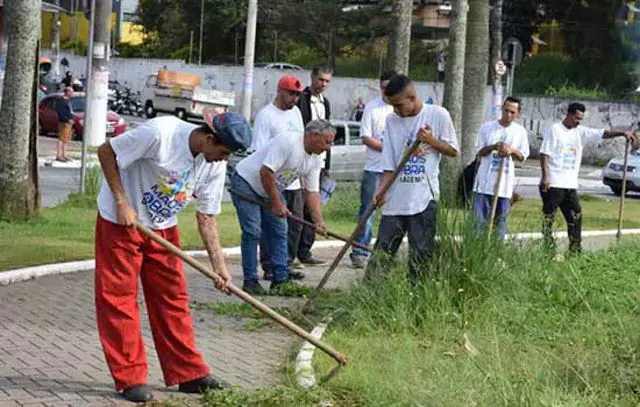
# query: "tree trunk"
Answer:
x=18 y=179
x=453 y=95
x=496 y=54
x=400 y=39
x=475 y=76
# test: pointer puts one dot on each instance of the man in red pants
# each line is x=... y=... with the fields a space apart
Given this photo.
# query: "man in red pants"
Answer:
x=151 y=173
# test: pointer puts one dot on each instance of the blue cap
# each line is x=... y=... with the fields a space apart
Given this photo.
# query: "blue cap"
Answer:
x=231 y=129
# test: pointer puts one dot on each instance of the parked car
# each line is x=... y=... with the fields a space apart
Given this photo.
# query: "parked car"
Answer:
x=612 y=174
x=279 y=65
x=348 y=154
x=48 y=117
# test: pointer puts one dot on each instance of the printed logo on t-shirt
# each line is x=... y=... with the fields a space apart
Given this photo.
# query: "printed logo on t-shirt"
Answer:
x=285 y=177
x=496 y=159
x=166 y=198
x=569 y=157
x=416 y=168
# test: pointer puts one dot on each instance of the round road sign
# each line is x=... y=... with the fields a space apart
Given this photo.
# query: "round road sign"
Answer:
x=500 y=68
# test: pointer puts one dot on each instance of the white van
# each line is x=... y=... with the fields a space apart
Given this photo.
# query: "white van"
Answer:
x=184 y=103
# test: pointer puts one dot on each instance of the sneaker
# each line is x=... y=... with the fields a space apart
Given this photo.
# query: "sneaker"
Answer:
x=139 y=393
x=312 y=261
x=358 y=262
x=268 y=275
x=296 y=275
x=253 y=287
x=203 y=384
x=296 y=265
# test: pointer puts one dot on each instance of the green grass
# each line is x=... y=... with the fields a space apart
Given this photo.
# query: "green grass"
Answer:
x=488 y=325
x=66 y=232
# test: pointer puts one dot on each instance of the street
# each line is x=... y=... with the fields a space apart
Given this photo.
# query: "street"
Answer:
x=58 y=181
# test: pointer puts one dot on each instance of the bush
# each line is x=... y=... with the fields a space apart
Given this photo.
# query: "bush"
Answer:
x=553 y=73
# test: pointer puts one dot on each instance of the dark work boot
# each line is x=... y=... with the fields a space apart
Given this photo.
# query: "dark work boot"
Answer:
x=139 y=393
x=203 y=384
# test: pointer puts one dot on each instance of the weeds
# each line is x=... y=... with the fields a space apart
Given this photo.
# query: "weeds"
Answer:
x=492 y=324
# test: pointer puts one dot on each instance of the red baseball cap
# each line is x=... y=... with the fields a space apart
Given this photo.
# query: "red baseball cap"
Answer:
x=290 y=82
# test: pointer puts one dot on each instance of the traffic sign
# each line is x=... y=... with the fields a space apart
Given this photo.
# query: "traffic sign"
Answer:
x=512 y=51
x=500 y=68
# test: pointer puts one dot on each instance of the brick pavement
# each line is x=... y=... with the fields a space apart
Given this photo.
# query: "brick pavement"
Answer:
x=50 y=354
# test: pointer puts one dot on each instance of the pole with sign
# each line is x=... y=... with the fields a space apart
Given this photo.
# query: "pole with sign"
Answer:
x=512 y=54
x=500 y=69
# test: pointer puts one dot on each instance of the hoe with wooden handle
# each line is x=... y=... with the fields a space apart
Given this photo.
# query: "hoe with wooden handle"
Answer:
x=339 y=357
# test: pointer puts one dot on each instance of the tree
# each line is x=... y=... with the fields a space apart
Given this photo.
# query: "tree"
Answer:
x=475 y=76
x=323 y=25
x=400 y=38
x=18 y=156
x=453 y=94
x=168 y=25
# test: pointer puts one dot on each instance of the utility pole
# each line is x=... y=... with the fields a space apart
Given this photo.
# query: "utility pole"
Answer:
x=249 y=51
x=275 y=46
x=96 y=118
x=496 y=55
x=83 y=166
x=56 y=40
x=190 y=46
x=201 y=30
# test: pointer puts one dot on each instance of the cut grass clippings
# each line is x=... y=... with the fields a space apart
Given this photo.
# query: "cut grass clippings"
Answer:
x=66 y=232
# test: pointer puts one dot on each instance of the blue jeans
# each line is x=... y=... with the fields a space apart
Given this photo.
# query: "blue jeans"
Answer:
x=482 y=212
x=368 y=187
x=255 y=222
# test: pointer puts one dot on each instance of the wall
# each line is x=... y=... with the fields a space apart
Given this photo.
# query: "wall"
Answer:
x=538 y=112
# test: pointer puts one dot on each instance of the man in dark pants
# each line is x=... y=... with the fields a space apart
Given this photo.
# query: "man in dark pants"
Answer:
x=313 y=105
x=411 y=205
x=560 y=158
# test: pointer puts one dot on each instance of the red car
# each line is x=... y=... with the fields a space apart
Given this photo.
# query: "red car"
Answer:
x=49 y=118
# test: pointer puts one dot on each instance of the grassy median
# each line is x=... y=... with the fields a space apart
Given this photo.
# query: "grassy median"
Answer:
x=65 y=233
x=487 y=326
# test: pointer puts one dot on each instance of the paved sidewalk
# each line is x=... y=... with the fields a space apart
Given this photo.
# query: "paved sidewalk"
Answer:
x=50 y=354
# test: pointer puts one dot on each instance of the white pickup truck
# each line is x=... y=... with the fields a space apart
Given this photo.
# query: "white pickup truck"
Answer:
x=184 y=103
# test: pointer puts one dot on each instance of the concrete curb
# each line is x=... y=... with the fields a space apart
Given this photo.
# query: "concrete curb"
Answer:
x=305 y=374
x=29 y=273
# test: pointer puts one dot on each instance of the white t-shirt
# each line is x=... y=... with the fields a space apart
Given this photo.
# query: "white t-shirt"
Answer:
x=160 y=176
x=318 y=112
x=564 y=148
x=372 y=125
x=490 y=133
x=271 y=122
x=287 y=159
x=418 y=184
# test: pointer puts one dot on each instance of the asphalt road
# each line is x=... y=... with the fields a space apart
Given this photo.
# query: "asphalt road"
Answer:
x=57 y=183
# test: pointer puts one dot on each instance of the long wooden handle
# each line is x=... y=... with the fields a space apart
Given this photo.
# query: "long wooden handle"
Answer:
x=624 y=189
x=339 y=357
x=297 y=219
x=363 y=220
x=496 y=195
